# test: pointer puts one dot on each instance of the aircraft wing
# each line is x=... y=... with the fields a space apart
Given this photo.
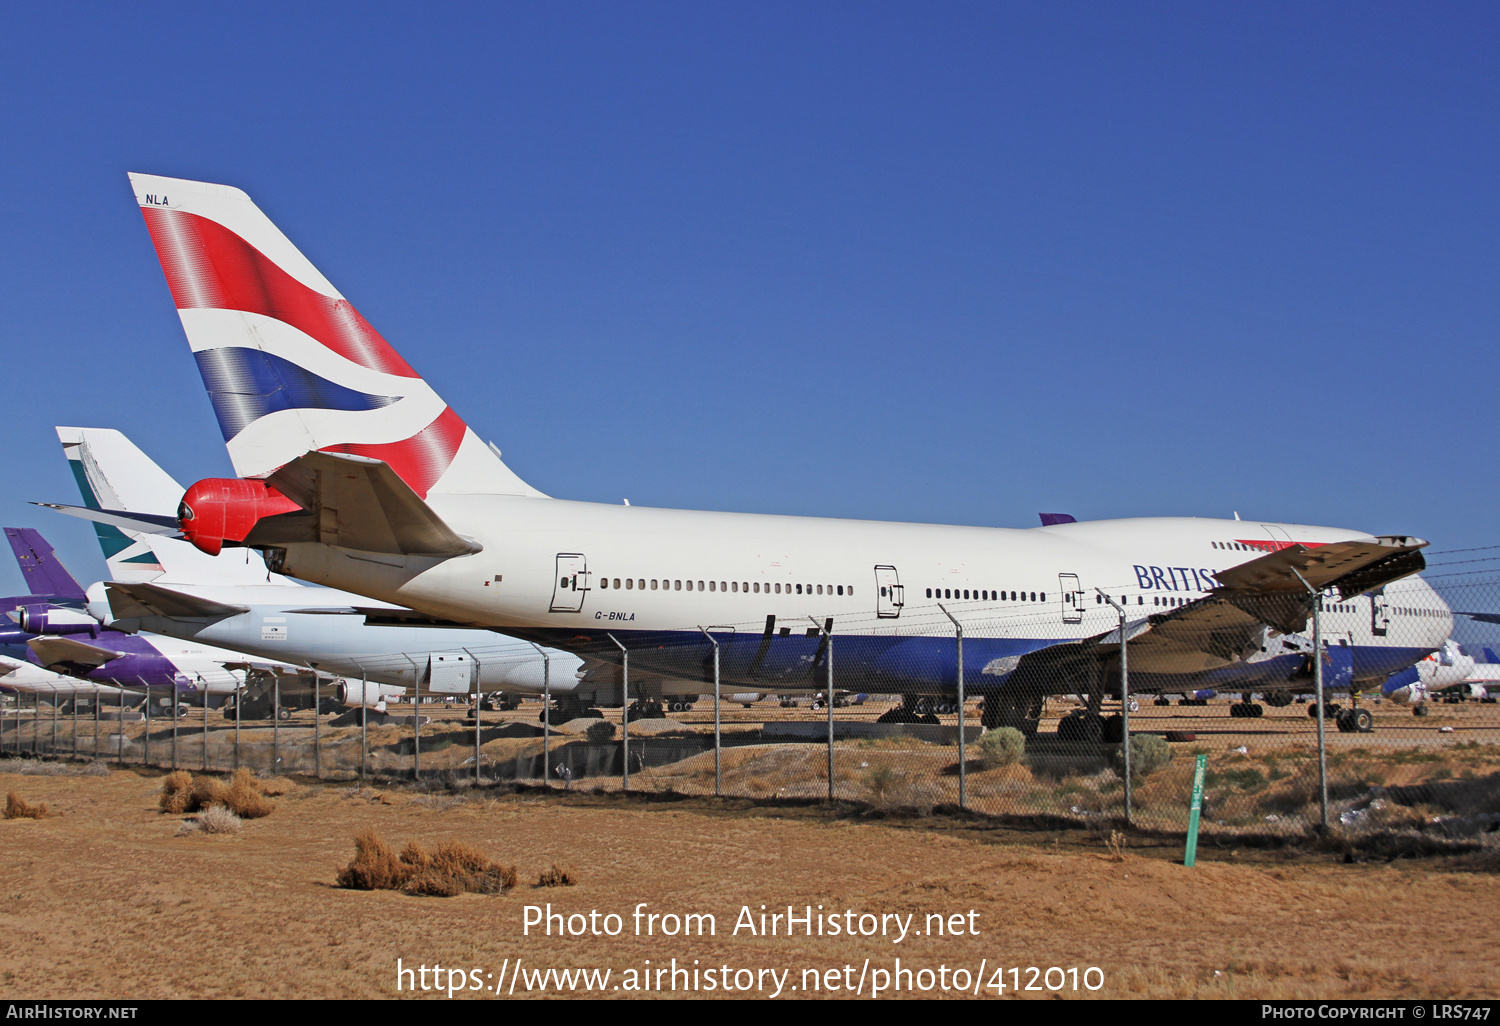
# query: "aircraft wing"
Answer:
x=361 y=503
x=52 y=650
x=1235 y=622
x=1232 y=623
x=134 y=601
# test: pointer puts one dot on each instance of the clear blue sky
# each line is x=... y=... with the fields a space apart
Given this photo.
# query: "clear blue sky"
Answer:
x=936 y=262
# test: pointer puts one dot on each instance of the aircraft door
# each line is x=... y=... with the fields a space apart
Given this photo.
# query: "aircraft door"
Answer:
x=569 y=583
x=1072 y=598
x=890 y=595
x=1380 y=614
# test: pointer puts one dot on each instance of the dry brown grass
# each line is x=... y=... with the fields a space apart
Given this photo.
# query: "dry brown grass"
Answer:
x=560 y=875
x=181 y=792
x=176 y=792
x=454 y=868
x=17 y=808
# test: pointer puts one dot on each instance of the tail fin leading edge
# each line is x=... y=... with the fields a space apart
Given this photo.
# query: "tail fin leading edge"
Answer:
x=290 y=366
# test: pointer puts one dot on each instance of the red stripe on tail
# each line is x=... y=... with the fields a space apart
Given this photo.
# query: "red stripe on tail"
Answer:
x=208 y=266
x=421 y=459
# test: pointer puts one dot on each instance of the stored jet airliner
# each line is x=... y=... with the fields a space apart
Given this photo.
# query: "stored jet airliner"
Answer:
x=167 y=586
x=355 y=473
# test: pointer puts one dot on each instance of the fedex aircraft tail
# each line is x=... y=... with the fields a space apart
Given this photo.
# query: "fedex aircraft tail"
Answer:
x=114 y=474
x=289 y=364
x=44 y=574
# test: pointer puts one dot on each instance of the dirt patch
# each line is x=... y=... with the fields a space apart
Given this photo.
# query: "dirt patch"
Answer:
x=263 y=903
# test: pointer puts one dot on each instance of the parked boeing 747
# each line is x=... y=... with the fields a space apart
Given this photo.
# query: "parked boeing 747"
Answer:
x=354 y=473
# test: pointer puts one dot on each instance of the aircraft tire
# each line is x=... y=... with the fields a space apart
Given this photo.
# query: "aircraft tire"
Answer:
x=1361 y=721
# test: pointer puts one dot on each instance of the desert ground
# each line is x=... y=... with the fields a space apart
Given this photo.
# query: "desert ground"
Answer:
x=107 y=897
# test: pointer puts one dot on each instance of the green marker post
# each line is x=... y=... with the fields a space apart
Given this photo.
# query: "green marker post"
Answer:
x=1195 y=811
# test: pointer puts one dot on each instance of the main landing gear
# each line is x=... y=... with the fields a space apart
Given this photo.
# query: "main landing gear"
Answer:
x=913 y=709
x=1245 y=709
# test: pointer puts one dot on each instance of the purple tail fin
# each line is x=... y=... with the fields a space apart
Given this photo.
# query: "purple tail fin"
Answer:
x=1053 y=519
x=39 y=565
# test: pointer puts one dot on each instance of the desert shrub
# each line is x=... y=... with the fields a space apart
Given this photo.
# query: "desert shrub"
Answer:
x=16 y=807
x=216 y=819
x=454 y=868
x=600 y=731
x=1148 y=753
x=375 y=866
x=560 y=875
x=1002 y=746
x=244 y=798
x=182 y=792
x=176 y=792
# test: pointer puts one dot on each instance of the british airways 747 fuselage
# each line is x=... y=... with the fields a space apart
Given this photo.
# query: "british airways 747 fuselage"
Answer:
x=354 y=473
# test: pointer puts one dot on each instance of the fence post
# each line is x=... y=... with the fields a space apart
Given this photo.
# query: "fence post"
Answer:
x=625 y=716
x=239 y=702
x=120 y=732
x=416 y=719
x=174 y=724
x=546 y=713
x=364 y=722
x=1124 y=702
x=317 y=725
x=828 y=694
x=146 y=758
x=275 y=722
x=1317 y=620
x=963 y=762
x=478 y=673
x=53 y=751
x=98 y=701
x=718 y=747
x=204 y=684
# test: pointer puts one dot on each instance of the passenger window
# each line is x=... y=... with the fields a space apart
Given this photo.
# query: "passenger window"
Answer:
x=676 y=585
x=700 y=585
x=713 y=586
x=723 y=586
x=629 y=583
x=653 y=584
x=799 y=589
x=841 y=589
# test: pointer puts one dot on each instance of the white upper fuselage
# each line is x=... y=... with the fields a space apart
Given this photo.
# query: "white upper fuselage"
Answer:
x=742 y=568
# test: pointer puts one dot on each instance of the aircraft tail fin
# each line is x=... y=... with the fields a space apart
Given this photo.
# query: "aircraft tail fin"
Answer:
x=290 y=366
x=44 y=573
x=114 y=474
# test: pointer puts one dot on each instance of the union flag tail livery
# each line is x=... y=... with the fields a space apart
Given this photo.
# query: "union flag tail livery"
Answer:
x=290 y=365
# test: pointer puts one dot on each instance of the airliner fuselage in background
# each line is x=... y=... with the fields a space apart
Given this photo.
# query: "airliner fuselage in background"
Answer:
x=355 y=474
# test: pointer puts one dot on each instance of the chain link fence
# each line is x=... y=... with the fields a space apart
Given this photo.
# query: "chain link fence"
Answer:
x=868 y=710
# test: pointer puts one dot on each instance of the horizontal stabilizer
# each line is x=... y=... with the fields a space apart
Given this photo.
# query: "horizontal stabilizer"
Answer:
x=361 y=503
x=133 y=601
x=140 y=523
x=53 y=650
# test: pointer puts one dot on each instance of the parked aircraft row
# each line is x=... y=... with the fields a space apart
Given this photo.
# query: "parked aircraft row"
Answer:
x=355 y=475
